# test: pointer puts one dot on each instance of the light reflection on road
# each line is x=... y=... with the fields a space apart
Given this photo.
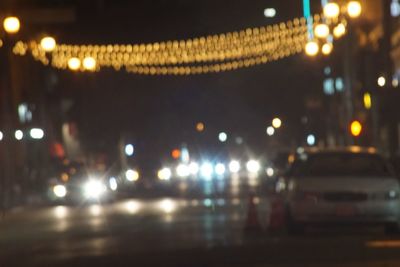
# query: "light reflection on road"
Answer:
x=95 y=210
x=132 y=206
x=60 y=212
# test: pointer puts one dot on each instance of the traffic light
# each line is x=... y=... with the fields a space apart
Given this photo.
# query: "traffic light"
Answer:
x=176 y=153
x=356 y=128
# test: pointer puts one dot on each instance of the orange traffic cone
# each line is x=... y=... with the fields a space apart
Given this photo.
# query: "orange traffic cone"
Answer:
x=252 y=222
x=277 y=216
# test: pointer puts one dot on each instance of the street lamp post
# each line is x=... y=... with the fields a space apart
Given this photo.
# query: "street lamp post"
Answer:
x=11 y=26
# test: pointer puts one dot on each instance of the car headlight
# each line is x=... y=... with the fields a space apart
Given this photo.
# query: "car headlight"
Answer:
x=206 y=170
x=164 y=174
x=253 y=166
x=94 y=189
x=132 y=175
x=60 y=191
x=112 y=182
x=234 y=166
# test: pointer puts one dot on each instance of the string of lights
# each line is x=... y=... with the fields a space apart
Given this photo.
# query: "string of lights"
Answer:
x=213 y=53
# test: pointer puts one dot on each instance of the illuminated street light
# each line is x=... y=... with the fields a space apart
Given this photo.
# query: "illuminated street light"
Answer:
x=270 y=131
x=354 y=9
x=200 y=126
x=89 y=63
x=327 y=49
x=331 y=10
x=270 y=12
x=312 y=48
x=321 y=30
x=339 y=30
x=36 y=133
x=311 y=139
x=276 y=123
x=129 y=150
x=11 y=25
x=222 y=136
x=381 y=81
x=367 y=101
x=74 y=63
x=18 y=135
x=1 y=136
x=356 y=128
x=48 y=43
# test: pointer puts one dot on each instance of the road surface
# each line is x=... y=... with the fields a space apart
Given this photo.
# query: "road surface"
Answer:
x=178 y=232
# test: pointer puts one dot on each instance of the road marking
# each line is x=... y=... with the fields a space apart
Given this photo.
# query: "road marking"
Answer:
x=383 y=244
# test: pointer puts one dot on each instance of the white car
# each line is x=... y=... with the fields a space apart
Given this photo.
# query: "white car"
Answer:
x=340 y=186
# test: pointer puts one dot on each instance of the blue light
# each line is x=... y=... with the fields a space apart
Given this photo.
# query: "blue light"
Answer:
x=339 y=84
x=129 y=150
x=395 y=8
x=306 y=8
x=329 y=87
x=311 y=140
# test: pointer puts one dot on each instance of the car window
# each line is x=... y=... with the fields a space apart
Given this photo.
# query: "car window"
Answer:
x=340 y=164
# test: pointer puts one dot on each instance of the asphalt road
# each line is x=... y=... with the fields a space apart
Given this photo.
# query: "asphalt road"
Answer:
x=178 y=232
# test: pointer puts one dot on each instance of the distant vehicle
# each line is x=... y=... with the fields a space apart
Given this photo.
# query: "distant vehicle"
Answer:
x=340 y=186
x=84 y=188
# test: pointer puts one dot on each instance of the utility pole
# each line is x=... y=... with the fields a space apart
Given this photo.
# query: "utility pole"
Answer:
x=391 y=120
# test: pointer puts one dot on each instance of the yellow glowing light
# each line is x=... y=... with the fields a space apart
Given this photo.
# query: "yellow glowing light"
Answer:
x=74 y=63
x=48 y=44
x=276 y=123
x=354 y=9
x=89 y=63
x=312 y=48
x=384 y=244
x=207 y=54
x=327 y=48
x=355 y=128
x=321 y=30
x=331 y=10
x=64 y=177
x=11 y=25
x=200 y=127
x=367 y=101
x=339 y=30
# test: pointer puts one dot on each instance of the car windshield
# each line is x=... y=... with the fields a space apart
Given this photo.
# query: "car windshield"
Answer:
x=340 y=164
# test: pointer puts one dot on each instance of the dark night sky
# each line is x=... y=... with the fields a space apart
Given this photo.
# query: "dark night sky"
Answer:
x=162 y=111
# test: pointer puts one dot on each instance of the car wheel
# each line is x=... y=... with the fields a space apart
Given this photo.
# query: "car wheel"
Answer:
x=392 y=229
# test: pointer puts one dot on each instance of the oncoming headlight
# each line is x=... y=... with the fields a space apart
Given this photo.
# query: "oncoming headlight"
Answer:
x=60 y=191
x=94 y=189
